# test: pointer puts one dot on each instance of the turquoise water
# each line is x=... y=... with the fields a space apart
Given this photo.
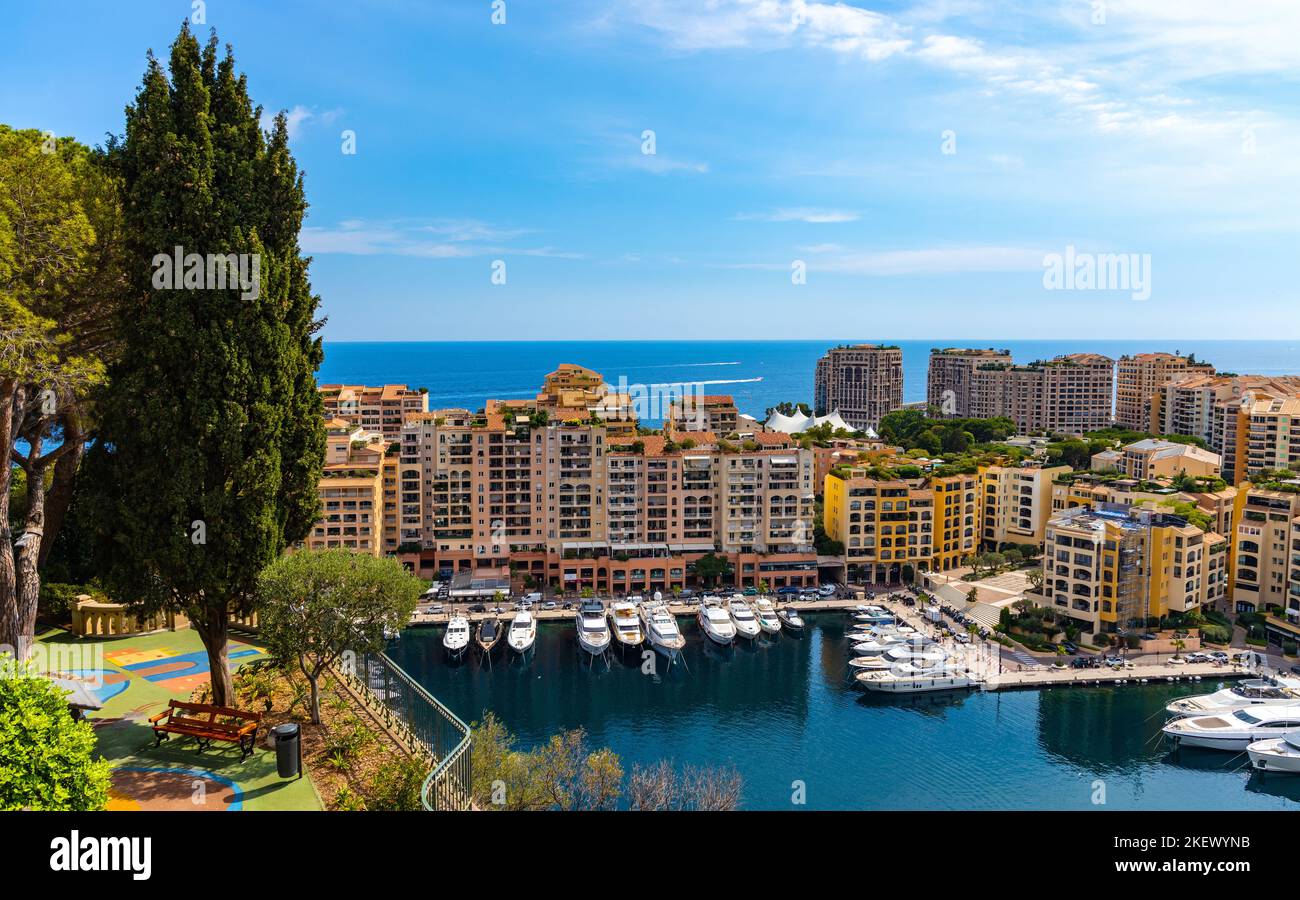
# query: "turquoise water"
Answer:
x=782 y=712
x=758 y=374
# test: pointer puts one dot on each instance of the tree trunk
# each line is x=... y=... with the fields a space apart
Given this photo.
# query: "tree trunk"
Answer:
x=315 y=699
x=59 y=497
x=26 y=552
x=213 y=628
x=8 y=574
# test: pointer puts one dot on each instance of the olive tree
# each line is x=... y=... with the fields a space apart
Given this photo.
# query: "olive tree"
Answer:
x=318 y=604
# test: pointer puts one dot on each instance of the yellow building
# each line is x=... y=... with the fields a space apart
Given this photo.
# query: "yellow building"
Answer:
x=1015 y=503
x=358 y=492
x=888 y=525
x=1110 y=568
x=1139 y=378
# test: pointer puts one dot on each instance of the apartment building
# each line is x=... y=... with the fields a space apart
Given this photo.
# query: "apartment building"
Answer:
x=862 y=383
x=1261 y=432
x=358 y=492
x=1067 y=395
x=379 y=409
x=888 y=526
x=710 y=412
x=1267 y=553
x=1197 y=405
x=1139 y=378
x=1015 y=503
x=574 y=393
x=1110 y=568
x=1151 y=458
x=568 y=504
x=954 y=385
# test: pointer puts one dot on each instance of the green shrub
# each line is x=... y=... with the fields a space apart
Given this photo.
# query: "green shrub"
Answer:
x=1289 y=648
x=47 y=759
x=56 y=600
x=396 y=786
x=1215 y=633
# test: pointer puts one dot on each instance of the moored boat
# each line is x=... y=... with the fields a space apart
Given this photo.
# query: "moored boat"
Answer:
x=592 y=628
x=1233 y=731
x=626 y=624
x=765 y=613
x=456 y=638
x=1243 y=694
x=488 y=635
x=1277 y=754
x=790 y=618
x=661 y=628
x=743 y=618
x=523 y=632
x=715 y=622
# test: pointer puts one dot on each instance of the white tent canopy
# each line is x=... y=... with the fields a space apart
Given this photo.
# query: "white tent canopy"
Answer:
x=799 y=423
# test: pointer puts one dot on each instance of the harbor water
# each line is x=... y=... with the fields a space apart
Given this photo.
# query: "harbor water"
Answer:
x=784 y=714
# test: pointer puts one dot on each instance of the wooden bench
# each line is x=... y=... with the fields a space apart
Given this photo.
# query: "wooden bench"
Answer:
x=206 y=723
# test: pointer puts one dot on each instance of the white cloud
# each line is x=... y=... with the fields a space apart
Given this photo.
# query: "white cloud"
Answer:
x=811 y=216
x=924 y=261
x=439 y=239
x=298 y=117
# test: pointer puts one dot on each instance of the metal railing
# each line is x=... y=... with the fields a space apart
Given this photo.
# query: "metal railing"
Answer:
x=424 y=723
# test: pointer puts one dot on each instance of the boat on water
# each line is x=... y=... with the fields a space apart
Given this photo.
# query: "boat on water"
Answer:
x=488 y=635
x=593 y=628
x=1243 y=694
x=873 y=615
x=905 y=678
x=523 y=632
x=456 y=640
x=661 y=628
x=626 y=624
x=790 y=618
x=765 y=612
x=1276 y=754
x=1233 y=731
x=743 y=618
x=715 y=622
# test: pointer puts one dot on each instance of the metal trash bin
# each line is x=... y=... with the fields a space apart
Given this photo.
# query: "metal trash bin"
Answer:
x=288 y=750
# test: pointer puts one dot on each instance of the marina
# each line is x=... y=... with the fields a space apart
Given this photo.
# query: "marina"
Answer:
x=783 y=708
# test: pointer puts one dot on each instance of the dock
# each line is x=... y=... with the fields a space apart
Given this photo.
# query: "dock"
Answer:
x=1144 y=674
x=423 y=618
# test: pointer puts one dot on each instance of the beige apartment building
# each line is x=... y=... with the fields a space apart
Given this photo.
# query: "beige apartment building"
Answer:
x=709 y=412
x=358 y=492
x=1139 y=378
x=1152 y=458
x=379 y=409
x=1015 y=503
x=954 y=387
x=1067 y=395
x=1267 y=552
x=566 y=503
x=1109 y=568
x=863 y=383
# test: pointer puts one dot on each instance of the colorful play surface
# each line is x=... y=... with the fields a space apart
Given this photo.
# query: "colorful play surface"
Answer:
x=136 y=678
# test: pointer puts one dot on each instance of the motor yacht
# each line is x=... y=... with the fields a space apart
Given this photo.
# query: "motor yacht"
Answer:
x=1234 y=731
x=661 y=628
x=715 y=622
x=790 y=618
x=765 y=612
x=523 y=632
x=1243 y=694
x=488 y=635
x=873 y=615
x=456 y=639
x=909 y=679
x=743 y=618
x=626 y=624
x=592 y=627
x=1277 y=754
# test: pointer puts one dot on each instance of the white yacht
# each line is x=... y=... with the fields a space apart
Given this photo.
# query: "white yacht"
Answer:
x=790 y=618
x=626 y=624
x=456 y=638
x=908 y=679
x=873 y=615
x=1234 y=730
x=523 y=632
x=661 y=628
x=765 y=612
x=715 y=623
x=743 y=618
x=1243 y=694
x=593 y=630
x=1277 y=754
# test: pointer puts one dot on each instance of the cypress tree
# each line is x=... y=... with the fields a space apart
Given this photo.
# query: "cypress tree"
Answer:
x=212 y=437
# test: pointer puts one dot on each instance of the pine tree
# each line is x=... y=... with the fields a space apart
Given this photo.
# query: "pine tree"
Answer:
x=212 y=436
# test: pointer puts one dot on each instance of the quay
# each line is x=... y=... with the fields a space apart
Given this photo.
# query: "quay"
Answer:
x=422 y=617
x=1139 y=674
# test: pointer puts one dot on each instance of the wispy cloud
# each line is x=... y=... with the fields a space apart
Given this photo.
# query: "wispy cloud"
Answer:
x=298 y=117
x=811 y=216
x=921 y=261
x=440 y=239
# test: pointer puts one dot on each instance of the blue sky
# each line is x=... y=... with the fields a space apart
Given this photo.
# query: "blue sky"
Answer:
x=783 y=131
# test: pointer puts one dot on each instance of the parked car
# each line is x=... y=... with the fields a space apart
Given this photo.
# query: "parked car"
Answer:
x=549 y=604
x=436 y=608
x=477 y=608
x=531 y=598
x=1218 y=655
x=750 y=592
x=827 y=590
x=1070 y=647
x=787 y=591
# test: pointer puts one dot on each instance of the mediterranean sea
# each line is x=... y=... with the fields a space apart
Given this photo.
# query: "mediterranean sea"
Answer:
x=759 y=374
